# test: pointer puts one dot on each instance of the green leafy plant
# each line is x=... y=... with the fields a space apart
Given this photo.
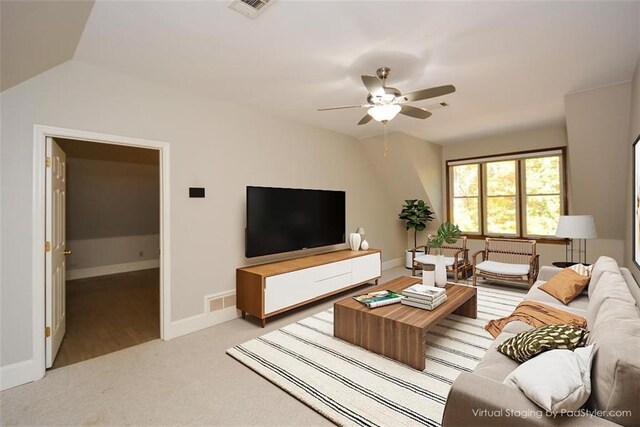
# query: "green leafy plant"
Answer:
x=417 y=214
x=447 y=233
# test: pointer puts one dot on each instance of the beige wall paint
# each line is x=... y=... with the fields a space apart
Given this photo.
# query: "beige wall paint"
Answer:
x=111 y=199
x=598 y=131
x=219 y=146
x=634 y=131
x=529 y=139
x=411 y=170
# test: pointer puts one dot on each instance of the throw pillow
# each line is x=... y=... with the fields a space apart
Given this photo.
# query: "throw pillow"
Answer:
x=558 y=380
x=582 y=269
x=528 y=344
x=566 y=285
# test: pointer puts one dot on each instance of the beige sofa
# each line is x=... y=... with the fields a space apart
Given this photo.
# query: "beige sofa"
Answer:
x=611 y=306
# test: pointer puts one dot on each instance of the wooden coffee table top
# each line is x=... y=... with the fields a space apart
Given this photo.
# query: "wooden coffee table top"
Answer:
x=457 y=295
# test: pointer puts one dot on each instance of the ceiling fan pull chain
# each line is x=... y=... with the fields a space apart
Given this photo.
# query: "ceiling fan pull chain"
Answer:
x=386 y=145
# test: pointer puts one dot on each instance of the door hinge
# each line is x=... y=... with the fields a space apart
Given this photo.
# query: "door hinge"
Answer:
x=47 y=332
x=47 y=246
x=47 y=162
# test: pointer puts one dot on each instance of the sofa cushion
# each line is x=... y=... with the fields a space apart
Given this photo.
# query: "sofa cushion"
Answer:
x=529 y=344
x=504 y=268
x=495 y=365
x=580 y=302
x=615 y=377
x=610 y=285
x=565 y=286
x=604 y=263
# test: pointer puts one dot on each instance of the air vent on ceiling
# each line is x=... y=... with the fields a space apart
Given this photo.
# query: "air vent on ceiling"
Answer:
x=250 y=8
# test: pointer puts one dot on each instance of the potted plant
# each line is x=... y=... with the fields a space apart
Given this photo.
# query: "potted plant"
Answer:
x=447 y=233
x=416 y=214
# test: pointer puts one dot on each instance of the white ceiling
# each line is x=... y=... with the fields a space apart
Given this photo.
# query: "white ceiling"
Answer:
x=512 y=62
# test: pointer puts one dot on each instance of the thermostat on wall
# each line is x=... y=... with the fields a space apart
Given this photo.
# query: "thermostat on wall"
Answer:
x=197 y=192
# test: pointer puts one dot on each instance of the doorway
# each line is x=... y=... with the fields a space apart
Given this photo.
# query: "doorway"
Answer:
x=110 y=233
x=44 y=268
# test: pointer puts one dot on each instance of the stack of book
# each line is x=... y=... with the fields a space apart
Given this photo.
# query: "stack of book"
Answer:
x=426 y=297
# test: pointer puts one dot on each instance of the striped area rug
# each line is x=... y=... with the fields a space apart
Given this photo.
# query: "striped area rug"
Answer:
x=352 y=386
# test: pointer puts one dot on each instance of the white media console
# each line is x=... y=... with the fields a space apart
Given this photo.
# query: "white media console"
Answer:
x=269 y=289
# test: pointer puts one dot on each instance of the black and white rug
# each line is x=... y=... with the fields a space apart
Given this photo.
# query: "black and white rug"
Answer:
x=352 y=386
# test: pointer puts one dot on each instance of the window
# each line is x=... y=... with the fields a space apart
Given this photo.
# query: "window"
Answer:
x=516 y=195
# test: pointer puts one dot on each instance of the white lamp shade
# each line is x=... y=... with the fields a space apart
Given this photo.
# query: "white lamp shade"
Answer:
x=384 y=112
x=576 y=227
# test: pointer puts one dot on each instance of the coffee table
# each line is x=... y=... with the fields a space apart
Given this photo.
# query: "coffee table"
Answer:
x=399 y=331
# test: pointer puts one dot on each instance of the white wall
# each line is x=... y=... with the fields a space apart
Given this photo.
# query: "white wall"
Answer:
x=634 y=132
x=411 y=170
x=219 y=146
x=113 y=215
x=111 y=255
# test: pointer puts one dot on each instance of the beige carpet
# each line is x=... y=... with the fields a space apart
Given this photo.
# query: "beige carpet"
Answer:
x=188 y=380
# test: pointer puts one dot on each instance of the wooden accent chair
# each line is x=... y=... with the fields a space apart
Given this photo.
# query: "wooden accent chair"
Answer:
x=511 y=260
x=456 y=257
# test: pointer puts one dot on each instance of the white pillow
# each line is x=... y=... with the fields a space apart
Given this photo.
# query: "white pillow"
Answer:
x=556 y=380
x=582 y=269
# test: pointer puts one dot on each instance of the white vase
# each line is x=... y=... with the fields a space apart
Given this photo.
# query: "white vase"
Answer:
x=354 y=241
x=441 y=271
x=364 y=245
x=428 y=276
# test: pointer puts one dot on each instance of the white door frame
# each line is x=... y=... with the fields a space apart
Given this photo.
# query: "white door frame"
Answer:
x=40 y=133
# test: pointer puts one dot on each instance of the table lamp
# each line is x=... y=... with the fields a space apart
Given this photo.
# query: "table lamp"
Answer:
x=580 y=227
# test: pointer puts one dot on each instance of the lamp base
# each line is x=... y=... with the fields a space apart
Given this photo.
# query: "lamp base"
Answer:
x=565 y=264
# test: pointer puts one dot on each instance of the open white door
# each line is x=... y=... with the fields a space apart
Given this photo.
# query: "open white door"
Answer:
x=55 y=247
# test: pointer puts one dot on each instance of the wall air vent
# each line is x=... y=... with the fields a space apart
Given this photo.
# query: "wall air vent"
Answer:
x=250 y=8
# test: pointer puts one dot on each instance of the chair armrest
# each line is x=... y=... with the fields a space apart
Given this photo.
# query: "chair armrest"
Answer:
x=417 y=248
x=547 y=272
x=474 y=257
x=479 y=401
x=534 y=266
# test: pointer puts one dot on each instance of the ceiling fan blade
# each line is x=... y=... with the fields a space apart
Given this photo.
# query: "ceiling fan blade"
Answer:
x=342 y=107
x=374 y=86
x=366 y=119
x=418 y=113
x=427 y=93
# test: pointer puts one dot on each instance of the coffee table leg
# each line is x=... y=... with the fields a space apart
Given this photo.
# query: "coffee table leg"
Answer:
x=469 y=308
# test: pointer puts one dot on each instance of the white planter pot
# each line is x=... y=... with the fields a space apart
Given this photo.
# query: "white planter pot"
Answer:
x=409 y=259
x=441 y=271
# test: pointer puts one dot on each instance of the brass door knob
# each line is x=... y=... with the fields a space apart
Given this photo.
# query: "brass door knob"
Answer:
x=67 y=252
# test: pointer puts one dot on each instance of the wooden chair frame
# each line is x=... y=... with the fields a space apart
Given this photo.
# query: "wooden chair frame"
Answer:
x=509 y=251
x=457 y=250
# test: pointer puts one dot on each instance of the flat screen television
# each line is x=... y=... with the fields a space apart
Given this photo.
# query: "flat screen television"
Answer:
x=286 y=219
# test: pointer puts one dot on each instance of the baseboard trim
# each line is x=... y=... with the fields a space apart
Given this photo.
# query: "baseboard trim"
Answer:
x=392 y=263
x=18 y=373
x=200 y=321
x=83 y=273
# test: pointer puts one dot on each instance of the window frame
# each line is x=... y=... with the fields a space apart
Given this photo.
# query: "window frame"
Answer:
x=520 y=157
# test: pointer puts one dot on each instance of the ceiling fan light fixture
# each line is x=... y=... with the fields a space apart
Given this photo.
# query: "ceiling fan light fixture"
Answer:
x=384 y=113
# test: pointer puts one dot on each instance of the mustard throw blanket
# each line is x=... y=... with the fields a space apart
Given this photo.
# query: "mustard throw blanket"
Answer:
x=536 y=314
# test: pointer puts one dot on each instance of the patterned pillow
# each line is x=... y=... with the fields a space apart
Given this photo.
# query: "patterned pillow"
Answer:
x=528 y=344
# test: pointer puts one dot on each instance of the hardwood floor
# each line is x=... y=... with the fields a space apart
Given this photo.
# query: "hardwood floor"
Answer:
x=110 y=313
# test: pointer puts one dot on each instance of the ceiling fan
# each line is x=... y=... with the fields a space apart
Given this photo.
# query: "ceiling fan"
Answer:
x=384 y=103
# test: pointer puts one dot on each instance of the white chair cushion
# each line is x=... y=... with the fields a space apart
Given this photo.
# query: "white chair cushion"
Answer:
x=504 y=268
x=431 y=259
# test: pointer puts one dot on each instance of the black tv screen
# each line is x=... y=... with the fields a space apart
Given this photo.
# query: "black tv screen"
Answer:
x=286 y=219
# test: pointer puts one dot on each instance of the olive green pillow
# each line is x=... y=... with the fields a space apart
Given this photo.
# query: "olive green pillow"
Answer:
x=528 y=344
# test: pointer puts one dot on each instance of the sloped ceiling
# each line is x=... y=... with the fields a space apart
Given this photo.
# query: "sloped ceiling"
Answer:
x=38 y=35
x=512 y=62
